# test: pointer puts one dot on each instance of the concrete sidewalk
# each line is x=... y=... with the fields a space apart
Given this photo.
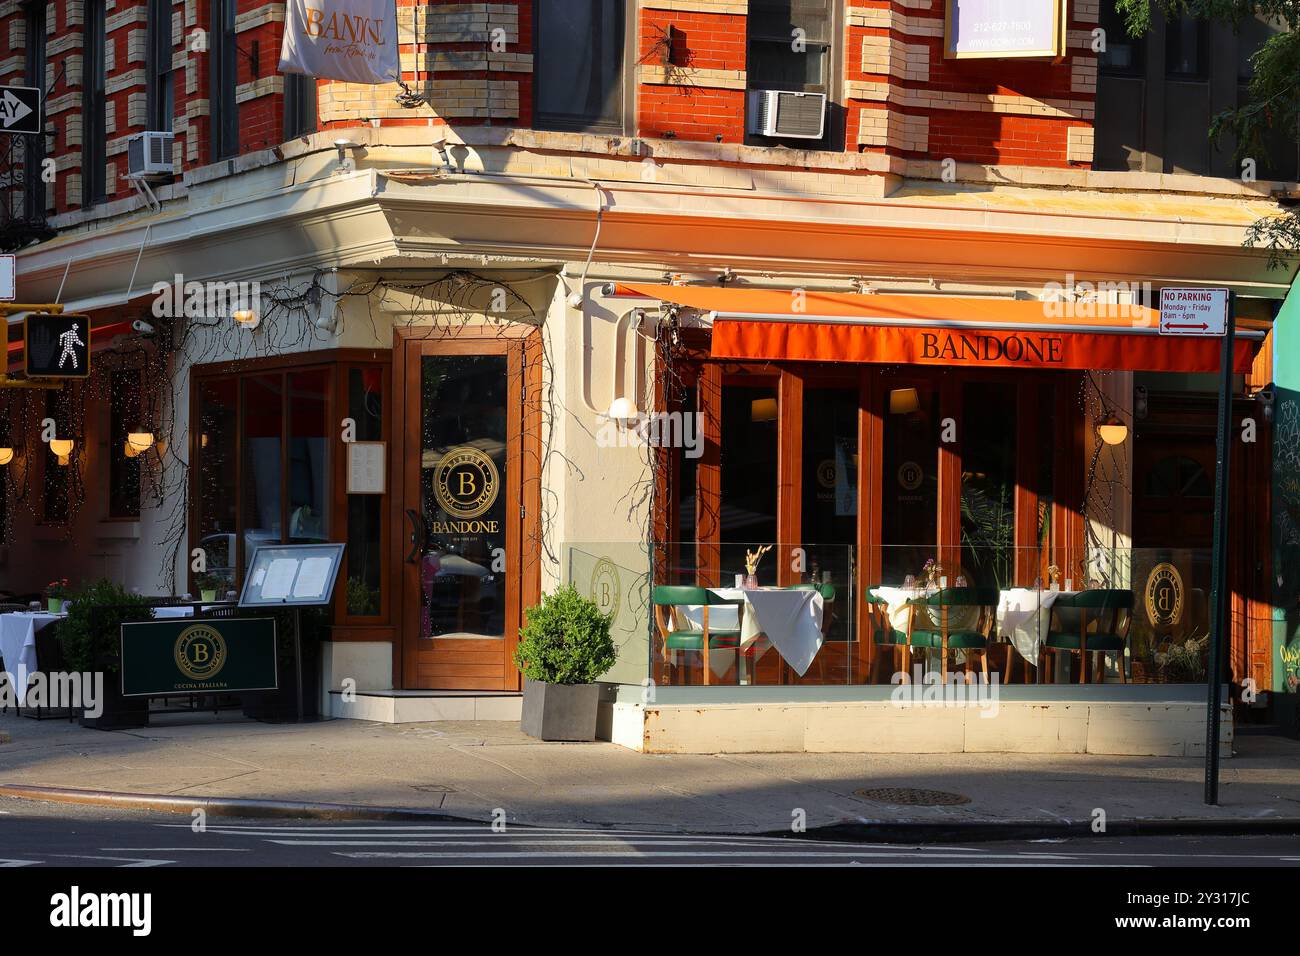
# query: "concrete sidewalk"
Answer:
x=471 y=769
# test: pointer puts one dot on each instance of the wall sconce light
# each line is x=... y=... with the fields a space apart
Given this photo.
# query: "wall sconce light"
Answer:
x=203 y=440
x=6 y=455
x=246 y=318
x=904 y=401
x=62 y=449
x=1112 y=430
x=622 y=411
x=762 y=410
x=138 y=442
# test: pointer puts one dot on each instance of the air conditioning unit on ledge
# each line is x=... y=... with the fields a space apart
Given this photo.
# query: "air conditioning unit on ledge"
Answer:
x=785 y=113
x=149 y=154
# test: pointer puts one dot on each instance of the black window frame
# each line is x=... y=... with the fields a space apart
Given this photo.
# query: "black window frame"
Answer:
x=1112 y=22
x=590 y=124
x=94 y=100
x=223 y=105
x=35 y=60
x=125 y=408
x=1173 y=36
x=160 y=82
x=300 y=117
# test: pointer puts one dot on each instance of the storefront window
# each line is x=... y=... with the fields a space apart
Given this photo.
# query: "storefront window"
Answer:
x=262 y=431
x=829 y=517
x=749 y=477
x=124 y=418
x=988 y=483
x=910 y=481
x=215 y=492
x=308 y=478
x=365 y=512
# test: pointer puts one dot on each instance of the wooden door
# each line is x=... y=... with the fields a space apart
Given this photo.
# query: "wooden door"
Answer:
x=463 y=558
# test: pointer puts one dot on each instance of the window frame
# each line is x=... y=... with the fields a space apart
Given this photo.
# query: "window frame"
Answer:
x=160 y=86
x=300 y=106
x=223 y=103
x=35 y=60
x=625 y=124
x=94 y=103
x=832 y=139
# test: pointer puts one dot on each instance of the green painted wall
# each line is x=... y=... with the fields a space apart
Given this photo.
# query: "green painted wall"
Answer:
x=1286 y=495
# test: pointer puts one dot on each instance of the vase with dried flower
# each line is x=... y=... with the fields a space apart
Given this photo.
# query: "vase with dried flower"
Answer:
x=751 y=564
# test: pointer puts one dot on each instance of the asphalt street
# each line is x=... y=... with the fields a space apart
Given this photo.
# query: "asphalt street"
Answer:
x=53 y=835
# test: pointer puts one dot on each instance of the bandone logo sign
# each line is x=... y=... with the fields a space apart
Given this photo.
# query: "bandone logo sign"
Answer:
x=350 y=40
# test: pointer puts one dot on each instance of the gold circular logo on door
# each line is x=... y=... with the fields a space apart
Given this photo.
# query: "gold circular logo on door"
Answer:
x=910 y=475
x=605 y=590
x=826 y=473
x=200 y=652
x=1164 y=595
x=466 y=482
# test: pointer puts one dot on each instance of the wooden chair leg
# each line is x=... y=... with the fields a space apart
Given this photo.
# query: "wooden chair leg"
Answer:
x=984 y=663
x=1119 y=659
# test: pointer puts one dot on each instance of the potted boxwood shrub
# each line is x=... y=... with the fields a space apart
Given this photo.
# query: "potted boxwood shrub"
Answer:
x=563 y=647
x=90 y=643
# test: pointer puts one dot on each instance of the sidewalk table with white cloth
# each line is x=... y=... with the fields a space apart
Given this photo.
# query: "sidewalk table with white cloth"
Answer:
x=1023 y=614
x=18 y=643
x=789 y=618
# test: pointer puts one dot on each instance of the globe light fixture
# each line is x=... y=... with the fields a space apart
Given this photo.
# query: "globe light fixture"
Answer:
x=6 y=455
x=141 y=441
x=1112 y=430
x=246 y=318
x=61 y=448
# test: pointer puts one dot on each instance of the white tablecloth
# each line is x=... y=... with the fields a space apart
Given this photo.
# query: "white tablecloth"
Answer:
x=791 y=619
x=18 y=644
x=1024 y=614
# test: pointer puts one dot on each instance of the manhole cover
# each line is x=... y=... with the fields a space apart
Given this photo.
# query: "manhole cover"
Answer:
x=912 y=797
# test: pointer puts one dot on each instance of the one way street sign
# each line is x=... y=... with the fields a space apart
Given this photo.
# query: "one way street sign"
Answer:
x=20 y=109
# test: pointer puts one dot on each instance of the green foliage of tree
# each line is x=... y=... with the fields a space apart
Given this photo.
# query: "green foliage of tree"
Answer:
x=565 y=640
x=1273 y=102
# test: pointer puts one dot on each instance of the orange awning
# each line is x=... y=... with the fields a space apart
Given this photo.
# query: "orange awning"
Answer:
x=807 y=326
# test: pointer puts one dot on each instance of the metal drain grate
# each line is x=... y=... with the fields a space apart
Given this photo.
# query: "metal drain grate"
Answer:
x=912 y=797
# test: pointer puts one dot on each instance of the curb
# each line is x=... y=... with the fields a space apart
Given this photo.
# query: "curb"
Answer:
x=864 y=831
x=984 y=832
x=222 y=806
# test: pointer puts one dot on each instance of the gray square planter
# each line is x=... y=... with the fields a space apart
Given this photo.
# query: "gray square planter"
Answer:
x=559 y=711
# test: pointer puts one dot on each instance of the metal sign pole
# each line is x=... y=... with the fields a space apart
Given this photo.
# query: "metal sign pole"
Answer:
x=1219 y=598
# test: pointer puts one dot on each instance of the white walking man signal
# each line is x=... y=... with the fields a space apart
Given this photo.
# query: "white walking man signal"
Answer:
x=67 y=340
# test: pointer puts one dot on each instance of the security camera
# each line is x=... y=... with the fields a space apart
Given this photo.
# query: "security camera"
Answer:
x=143 y=327
x=575 y=300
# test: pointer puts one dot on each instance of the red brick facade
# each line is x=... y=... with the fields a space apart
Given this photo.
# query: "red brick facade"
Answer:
x=899 y=95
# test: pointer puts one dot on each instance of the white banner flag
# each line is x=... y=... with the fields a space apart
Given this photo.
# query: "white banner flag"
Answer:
x=352 y=40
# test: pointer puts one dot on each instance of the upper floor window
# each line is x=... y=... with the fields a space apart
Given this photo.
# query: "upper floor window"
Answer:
x=1185 y=52
x=221 y=77
x=578 y=65
x=790 y=48
x=93 y=106
x=160 y=86
x=34 y=146
x=1124 y=55
x=299 y=105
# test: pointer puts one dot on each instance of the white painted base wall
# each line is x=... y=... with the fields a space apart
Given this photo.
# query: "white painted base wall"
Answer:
x=399 y=708
x=1172 y=729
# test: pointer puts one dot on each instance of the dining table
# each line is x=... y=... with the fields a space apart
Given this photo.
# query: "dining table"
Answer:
x=18 y=644
x=1023 y=614
x=789 y=619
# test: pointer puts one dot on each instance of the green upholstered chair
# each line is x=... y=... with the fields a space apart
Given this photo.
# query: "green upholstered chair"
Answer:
x=932 y=623
x=882 y=633
x=1110 y=610
x=677 y=638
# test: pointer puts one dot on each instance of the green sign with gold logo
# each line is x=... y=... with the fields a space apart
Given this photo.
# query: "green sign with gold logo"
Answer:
x=186 y=656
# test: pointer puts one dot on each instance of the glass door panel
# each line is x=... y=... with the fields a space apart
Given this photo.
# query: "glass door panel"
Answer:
x=463 y=495
x=909 y=480
x=988 y=484
x=749 y=478
x=829 y=512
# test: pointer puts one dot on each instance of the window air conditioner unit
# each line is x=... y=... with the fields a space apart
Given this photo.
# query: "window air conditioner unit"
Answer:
x=785 y=113
x=149 y=154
